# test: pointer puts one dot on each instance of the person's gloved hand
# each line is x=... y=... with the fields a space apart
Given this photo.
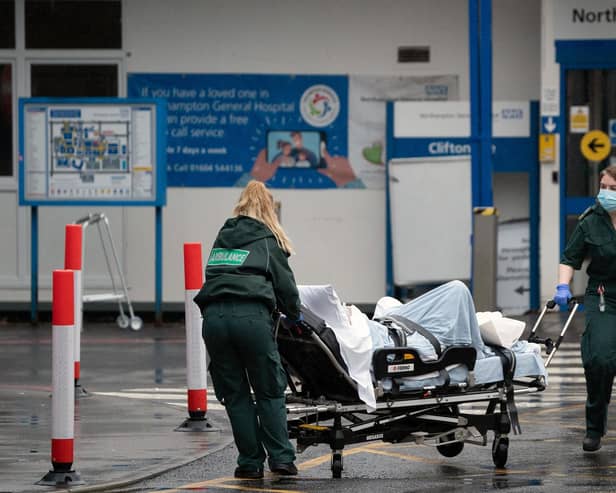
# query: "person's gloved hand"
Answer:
x=300 y=318
x=562 y=295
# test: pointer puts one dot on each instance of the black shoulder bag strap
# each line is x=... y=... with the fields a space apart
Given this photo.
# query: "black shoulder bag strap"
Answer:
x=414 y=327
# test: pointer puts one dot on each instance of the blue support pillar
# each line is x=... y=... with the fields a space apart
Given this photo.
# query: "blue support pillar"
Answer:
x=480 y=69
x=485 y=98
x=473 y=51
x=533 y=178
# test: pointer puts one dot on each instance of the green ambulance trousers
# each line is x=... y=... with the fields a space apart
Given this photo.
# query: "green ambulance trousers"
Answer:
x=243 y=354
x=599 y=358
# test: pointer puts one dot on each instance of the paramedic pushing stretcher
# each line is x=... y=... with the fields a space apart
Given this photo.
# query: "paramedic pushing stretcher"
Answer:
x=595 y=237
x=247 y=277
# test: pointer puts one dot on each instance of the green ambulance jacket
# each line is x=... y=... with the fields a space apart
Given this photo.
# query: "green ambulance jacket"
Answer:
x=246 y=263
x=594 y=237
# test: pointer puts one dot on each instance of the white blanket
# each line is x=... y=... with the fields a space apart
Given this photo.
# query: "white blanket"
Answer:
x=353 y=334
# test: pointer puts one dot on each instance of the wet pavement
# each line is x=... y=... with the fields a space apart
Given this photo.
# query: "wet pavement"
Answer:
x=124 y=428
x=125 y=438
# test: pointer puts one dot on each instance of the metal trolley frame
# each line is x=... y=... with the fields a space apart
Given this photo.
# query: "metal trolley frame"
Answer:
x=120 y=295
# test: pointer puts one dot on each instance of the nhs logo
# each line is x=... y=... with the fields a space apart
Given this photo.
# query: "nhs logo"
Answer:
x=437 y=90
x=512 y=113
x=510 y=119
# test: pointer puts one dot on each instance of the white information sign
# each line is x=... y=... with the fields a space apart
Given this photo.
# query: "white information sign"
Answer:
x=513 y=267
x=452 y=119
x=550 y=101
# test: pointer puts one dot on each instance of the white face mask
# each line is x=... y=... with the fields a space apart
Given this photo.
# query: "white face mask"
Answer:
x=607 y=199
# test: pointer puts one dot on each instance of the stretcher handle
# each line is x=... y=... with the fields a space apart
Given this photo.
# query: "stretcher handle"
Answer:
x=549 y=305
x=549 y=343
x=573 y=304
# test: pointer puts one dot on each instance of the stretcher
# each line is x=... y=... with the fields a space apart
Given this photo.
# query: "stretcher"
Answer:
x=323 y=405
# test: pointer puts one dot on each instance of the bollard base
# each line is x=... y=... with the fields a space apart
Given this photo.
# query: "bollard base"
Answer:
x=81 y=392
x=196 y=424
x=61 y=478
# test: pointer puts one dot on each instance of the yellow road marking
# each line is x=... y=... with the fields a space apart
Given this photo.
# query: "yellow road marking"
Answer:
x=413 y=458
x=595 y=467
x=317 y=461
x=373 y=449
x=221 y=483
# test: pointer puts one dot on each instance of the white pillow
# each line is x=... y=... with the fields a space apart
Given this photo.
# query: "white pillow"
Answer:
x=324 y=302
x=385 y=305
x=497 y=330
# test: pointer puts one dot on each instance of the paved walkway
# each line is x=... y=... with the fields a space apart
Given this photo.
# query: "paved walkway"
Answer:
x=125 y=428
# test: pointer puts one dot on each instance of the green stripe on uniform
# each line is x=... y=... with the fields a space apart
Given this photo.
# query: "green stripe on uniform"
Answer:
x=225 y=256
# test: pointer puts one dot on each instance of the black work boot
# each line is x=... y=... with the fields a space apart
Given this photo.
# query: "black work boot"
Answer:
x=285 y=469
x=244 y=473
x=591 y=444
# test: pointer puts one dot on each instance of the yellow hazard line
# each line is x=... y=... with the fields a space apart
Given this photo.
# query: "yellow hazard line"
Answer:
x=317 y=461
x=412 y=458
x=222 y=483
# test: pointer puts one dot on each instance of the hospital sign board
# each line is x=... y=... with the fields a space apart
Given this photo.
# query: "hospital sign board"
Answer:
x=92 y=151
x=583 y=19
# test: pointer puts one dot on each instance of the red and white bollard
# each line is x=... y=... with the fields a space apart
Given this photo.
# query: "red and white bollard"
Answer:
x=196 y=365
x=73 y=254
x=63 y=400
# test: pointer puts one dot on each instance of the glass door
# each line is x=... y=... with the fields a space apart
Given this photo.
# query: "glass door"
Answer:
x=591 y=105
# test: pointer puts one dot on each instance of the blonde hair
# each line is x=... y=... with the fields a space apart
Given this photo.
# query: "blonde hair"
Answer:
x=257 y=202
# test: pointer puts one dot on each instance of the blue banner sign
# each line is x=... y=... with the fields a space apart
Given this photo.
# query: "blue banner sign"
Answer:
x=224 y=129
x=508 y=153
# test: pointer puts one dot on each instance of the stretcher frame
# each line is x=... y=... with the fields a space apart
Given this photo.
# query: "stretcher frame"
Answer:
x=429 y=416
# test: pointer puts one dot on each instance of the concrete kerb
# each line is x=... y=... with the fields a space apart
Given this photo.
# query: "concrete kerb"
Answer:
x=151 y=474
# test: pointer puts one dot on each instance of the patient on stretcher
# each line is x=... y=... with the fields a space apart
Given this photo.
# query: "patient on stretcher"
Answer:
x=447 y=312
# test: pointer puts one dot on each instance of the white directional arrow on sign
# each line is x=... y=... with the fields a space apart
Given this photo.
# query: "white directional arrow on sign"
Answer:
x=550 y=126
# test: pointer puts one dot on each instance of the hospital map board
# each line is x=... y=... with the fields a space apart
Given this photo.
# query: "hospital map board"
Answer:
x=92 y=151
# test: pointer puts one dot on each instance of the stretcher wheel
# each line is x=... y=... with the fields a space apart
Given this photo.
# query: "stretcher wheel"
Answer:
x=500 y=449
x=450 y=449
x=337 y=466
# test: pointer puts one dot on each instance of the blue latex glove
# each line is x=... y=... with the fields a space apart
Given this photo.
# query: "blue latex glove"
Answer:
x=563 y=294
x=300 y=318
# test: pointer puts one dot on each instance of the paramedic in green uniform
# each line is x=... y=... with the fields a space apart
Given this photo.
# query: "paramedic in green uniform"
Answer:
x=595 y=237
x=247 y=278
